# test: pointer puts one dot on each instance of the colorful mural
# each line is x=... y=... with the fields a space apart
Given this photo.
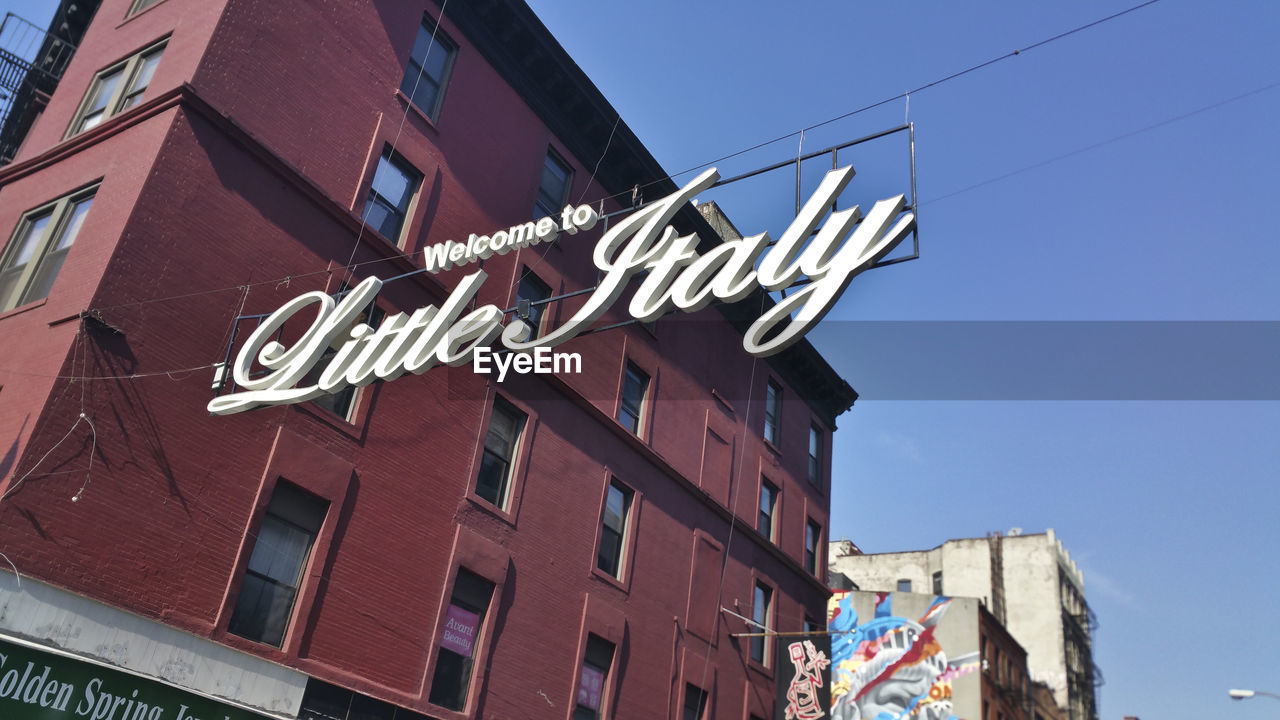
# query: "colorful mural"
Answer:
x=891 y=668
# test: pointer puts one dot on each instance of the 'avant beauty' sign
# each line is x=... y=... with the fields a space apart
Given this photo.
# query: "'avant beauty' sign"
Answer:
x=677 y=277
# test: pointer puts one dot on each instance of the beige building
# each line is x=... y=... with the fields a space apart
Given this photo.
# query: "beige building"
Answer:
x=1028 y=582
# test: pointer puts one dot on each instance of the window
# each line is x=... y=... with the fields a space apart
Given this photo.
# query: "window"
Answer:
x=695 y=703
x=591 y=681
x=140 y=5
x=116 y=89
x=768 y=504
x=458 y=634
x=937 y=583
x=634 y=388
x=772 y=412
x=394 y=184
x=904 y=585
x=427 y=72
x=323 y=701
x=532 y=290
x=815 y=456
x=613 y=530
x=761 y=613
x=38 y=247
x=343 y=402
x=280 y=553
x=505 y=426
x=553 y=189
x=812 y=539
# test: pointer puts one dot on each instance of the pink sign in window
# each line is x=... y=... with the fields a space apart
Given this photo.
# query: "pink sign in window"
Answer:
x=459 y=631
x=590 y=688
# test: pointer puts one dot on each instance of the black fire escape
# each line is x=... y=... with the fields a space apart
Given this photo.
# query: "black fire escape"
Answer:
x=1083 y=677
x=32 y=61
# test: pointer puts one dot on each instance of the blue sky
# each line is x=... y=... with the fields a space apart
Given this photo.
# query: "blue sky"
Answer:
x=1167 y=504
x=1120 y=176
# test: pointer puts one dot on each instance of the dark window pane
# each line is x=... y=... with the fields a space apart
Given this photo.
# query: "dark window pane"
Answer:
x=262 y=610
x=553 y=188
x=323 y=701
x=768 y=501
x=498 y=457
x=772 y=412
x=760 y=614
x=812 y=537
x=427 y=69
x=280 y=551
x=390 y=194
x=634 y=388
x=467 y=606
x=532 y=288
x=613 y=529
x=451 y=680
x=695 y=703
x=815 y=456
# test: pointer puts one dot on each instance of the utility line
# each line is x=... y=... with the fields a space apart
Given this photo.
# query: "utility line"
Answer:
x=757 y=146
x=1103 y=143
x=908 y=93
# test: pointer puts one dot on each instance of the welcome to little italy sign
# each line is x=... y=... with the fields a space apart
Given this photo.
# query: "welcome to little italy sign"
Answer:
x=678 y=278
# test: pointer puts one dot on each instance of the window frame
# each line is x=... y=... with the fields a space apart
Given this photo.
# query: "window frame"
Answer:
x=641 y=425
x=812 y=553
x=774 y=495
x=537 y=313
x=763 y=642
x=479 y=644
x=442 y=39
x=606 y=673
x=904 y=585
x=539 y=209
x=60 y=212
x=507 y=487
x=128 y=68
x=703 y=705
x=301 y=572
x=344 y=405
x=626 y=538
x=772 y=430
x=138 y=6
x=400 y=163
x=816 y=443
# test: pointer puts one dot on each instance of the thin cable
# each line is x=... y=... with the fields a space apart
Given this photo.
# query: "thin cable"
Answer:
x=733 y=500
x=586 y=189
x=18 y=483
x=17 y=575
x=1102 y=143
x=93 y=449
x=422 y=68
x=757 y=146
x=902 y=95
x=133 y=376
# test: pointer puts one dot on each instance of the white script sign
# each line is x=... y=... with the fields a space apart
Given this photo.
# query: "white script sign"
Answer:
x=678 y=278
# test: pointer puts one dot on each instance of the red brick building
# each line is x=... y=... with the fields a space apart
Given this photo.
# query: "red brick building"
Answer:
x=444 y=545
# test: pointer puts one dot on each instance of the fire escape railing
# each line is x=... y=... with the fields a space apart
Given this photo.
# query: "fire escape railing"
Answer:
x=32 y=61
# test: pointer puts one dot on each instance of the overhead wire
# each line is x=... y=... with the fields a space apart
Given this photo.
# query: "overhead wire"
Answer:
x=757 y=146
x=908 y=93
x=1004 y=176
x=422 y=68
